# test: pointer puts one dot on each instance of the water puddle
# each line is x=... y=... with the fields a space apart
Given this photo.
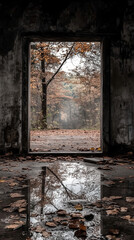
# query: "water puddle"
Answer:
x=66 y=201
x=61 y=196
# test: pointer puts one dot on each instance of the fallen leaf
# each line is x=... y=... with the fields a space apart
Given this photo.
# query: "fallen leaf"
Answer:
x=20 y=178
x=16 y=195
x=15 y=226
x=112 y=212
x=106 y=199
x=39 y=229
x=123 y=209
x=28 y=157
x=8 y=210
x=21 y=210
x=98 y=149
x=97 y=204
x=110 y=207
x=82 y=227
x=64 y=223
x=121 y=164
x=46 y=234
x=59 y=219
x=132 y=219
x=12 y=226
x=92 y=149
x=130 y=153
x=34 y=215
x=14 y=217
x=131 y=176
x=61 y=212
x=120 y=178
x=130 y=199
x=109 y=182
x=73 y=225
x=115 y=197
x=50 y=224
x=78 y=207
x=127 y=217
x=76 y=215
x=13 y=184
x=110 y=237
x=111 y=198
x=19 y=204
x=2 y=181
x=111 y=162
x=24 y=168
x=114 y=231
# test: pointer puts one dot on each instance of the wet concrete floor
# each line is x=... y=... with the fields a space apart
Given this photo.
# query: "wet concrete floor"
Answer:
x=63 y=199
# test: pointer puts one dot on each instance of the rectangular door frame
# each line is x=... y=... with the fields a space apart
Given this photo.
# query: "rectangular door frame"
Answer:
x=105 y=88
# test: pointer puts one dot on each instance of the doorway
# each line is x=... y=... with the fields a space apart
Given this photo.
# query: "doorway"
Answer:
x=65 y=97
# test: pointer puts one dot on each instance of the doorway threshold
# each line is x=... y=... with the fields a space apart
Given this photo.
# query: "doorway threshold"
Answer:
x=86 y=153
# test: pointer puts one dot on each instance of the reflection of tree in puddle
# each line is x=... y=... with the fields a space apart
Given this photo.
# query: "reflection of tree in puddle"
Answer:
x=64 y=186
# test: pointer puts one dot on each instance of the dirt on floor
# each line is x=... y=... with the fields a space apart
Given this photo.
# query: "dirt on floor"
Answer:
x=64 y=140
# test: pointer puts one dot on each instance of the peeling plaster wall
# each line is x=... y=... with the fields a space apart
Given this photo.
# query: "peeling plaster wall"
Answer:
x=94 y=18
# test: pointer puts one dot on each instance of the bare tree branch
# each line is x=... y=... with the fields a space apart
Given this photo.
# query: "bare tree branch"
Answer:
x=60 y=182
x=50 y=80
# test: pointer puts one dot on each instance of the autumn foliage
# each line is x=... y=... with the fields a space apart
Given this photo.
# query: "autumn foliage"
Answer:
x=70 y=73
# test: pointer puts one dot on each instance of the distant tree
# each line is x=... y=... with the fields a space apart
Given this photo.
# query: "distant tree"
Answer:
x=43 y=53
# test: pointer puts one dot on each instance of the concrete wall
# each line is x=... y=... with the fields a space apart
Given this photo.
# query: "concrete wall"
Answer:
x=94 y=19
x=122 y=83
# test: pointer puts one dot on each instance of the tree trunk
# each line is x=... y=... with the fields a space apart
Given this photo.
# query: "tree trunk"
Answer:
x=43 y=189
x=44 y=92
x=46 y=83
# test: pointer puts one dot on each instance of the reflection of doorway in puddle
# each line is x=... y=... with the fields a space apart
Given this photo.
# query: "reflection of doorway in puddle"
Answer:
x=65 y=96
x=70 y=188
